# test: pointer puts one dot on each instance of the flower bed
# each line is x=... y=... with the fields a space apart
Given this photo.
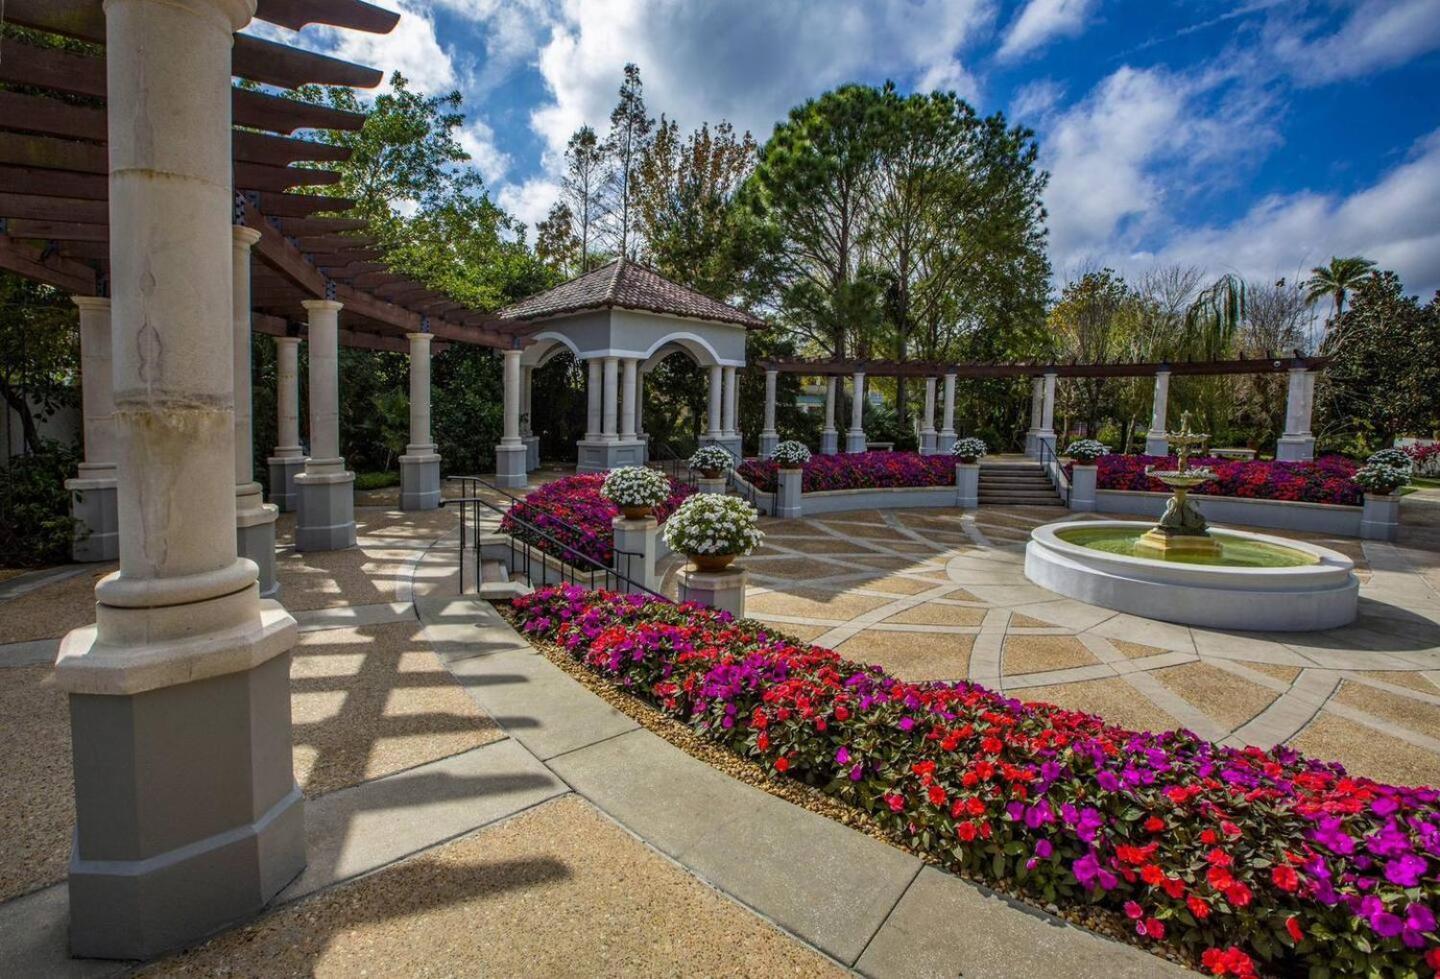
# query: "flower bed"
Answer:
x=1237 y=856
x=1326 y=480
x=572 y=511
x=859 y=470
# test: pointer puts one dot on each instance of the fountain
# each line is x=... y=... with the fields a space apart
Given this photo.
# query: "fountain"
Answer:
x=1178 y=570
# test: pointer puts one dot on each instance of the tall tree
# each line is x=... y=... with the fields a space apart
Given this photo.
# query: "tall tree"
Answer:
x=1088 y=324
x=582 y=188
x=1336 y=280
x=39 y=352
x=556 y=243
x=630 y=134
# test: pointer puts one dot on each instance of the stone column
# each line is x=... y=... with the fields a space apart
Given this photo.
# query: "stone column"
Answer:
x=420 y=465
x=728 y=423
x=636 y=542
x=325 y=516
x=947 y=423
x=1298 y=442
x=1037 y=414
x=1047 y=416
x=527 y=419
x=610 y=408
x=769 y=438
x=855 y=437
x=187 y=815
x=714 y=424
x=829 y=437
x=593 y=395
x=92 y=492
x=1083 y=480
x=1155 y=443
x=967 y=485
x=510 y=453
x=789 y=493
x=627 y=392
x=640 y=416
x=289 y=458
x=254 y=518
x=927 y=422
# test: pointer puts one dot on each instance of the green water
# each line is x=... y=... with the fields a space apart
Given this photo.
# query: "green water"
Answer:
x=1235 y=552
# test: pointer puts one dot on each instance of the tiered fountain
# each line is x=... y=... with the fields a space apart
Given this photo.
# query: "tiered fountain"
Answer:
x=1179 y=571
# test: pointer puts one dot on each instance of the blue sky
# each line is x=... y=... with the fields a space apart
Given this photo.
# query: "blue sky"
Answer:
x=1256 y=136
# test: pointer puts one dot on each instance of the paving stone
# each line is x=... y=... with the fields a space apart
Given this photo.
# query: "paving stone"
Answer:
x=35 y=939
x=945 y=927
x=37 y=652
x=826 y=883
x=379 y=613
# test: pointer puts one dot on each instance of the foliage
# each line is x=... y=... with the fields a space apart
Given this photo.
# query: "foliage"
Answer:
x=1394 y=458
x=790 y=454
x=712 y=523
x=1425 y=459
x=1335 y=281
x=1378 y=477
x=969 y=448
x=375 y=481
x=35 y=523
x=1086 y=450
x=572 y=512
x=712 y=459
x=635 y=486
x=1326 y=480
x=39 y=352
x=1232 y=855
x=858 y=470
x=625 y=147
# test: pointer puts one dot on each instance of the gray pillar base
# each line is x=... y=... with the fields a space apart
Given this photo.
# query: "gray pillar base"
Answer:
x=94 y=504
x=789 y=498
x=255 y=539
x=855 y=441
x=598 y=456
x=829 y=443
x=1082 y=487
x=967 y=485
x=1295 y=448
x=635 y=550
x=325 y=516
x=1380 y=517
x=283 y=470
x=724 y=590
x=188 y=818
x=1030 y=449
x=945 y=441
x=510 y=466
x=718 y=485
x=928 y=442
x=532 y=452
x=768 y=441
x=1156 y=445
x=419 y=481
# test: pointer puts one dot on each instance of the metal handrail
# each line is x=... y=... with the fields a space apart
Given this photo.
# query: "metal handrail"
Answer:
x=523 y=550
x=671 y=464
x=1050 y=462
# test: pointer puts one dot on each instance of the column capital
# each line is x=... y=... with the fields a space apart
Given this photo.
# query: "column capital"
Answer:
x=322 y=304
x=92 y=303
x=420 y=337
x=243 y=235
x=285 y=339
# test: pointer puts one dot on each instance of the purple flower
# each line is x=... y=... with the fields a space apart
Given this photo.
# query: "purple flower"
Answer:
x=1405 y=870
x=1386 y=925
x=906 y=723
x=1043 y=849
x=842 y=757
x=1332 y=836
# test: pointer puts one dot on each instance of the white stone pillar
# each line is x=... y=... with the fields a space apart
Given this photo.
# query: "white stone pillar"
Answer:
x=724 y=590
x=610 y=407
x=289 y=458
x=636 y=546
x=254 y=518
x=593 y=395
x=510 y=454
x=728 y=424
x=947 y=421
x=1047 y=416
x=927 y=421
x=1155 y=441
x=420 y=465
x=714 y=425
x=769 y=437
x=93 y=489
x=1298 y=442
x=527 y=419
x=967 y=485
x=1037 y=415
x=628 y=387
x=855 y=437
x=790 y=493
x=829 y=437
x=187 y=813
x=325 y=517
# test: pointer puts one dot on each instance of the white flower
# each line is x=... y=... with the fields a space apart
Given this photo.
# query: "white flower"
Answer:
x=969 y=448
x=713 y=524
x=712 y=458
x=790 y=454
x=635 y=486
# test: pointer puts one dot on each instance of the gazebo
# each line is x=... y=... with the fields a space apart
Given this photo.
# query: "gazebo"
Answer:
x=622 y=319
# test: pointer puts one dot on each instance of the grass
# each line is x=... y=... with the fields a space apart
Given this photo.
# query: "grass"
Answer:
x=374 y=481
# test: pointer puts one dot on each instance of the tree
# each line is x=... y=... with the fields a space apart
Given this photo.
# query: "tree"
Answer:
x=39 y=352
x=624 y=148
x=556 y=243
x=1336 y=280
x=581 y=190
x=1088 y=324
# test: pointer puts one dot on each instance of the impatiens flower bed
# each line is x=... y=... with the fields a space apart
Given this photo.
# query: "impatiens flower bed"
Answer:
x=572 y=511
x=1326 y=480
x=1248 y=860
x=859 y=470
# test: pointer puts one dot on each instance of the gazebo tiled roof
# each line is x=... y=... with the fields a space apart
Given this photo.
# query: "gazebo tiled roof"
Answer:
x=623 y=284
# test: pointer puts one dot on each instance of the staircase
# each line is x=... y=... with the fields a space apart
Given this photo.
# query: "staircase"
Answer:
x=1016 y=484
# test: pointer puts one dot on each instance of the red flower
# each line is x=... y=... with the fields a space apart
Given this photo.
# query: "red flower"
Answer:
x=1155 y=928
x=1154 y=824
x=1209 y=837
x=966 y=831
x=1197 y=907
x=1152 y=874
x=1133 y=910
x=895 y=802
x=1218 y=858
x=937 y=796
x=1292 y=925
x=1238 y=894
x=782 y=764
x=1285 y=878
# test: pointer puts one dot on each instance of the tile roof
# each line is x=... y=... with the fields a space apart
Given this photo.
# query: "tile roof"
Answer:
x=623 y=284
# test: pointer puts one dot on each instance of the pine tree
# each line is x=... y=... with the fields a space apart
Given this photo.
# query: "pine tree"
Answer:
x=630 y=135
x=582 y=188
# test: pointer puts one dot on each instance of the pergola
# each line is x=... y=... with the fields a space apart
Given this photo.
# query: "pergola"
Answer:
x=1298 y=442
x=179 y=211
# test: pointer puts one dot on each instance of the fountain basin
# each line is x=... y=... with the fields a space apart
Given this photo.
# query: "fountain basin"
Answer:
x=1270 y=583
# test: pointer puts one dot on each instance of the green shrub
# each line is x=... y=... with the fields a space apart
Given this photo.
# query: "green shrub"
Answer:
x=374 y=481
x=35 y=523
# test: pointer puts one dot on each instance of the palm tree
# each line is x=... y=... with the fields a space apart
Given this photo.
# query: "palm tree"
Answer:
x=1336 y=280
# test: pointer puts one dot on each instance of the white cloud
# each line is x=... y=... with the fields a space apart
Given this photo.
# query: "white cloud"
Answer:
x=1041 y=22
x=1036 y=100
x=1378 y=34
x=950 y=76
x=478 y=139
x=529 y=200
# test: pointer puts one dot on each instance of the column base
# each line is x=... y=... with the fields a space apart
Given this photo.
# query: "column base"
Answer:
x=928 y=441
x=945 y=441
x=94 y=504
x=789 y=495
x=1156 y=444
x=598 y=455
x=1047 y=439
x=1030 y=449
x=1380 y=517
x=1295 y=448
x=255 y=539
x=283 y=470
x=829 y=442
x=768 y=441
x=510 y=466
x=419 y=481
x=855 y=441
x=967 y=485
x=325 y=511
x=724 y=590
x=532 y=452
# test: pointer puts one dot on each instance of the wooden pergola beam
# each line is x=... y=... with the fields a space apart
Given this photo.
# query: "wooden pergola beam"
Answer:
x=883 y=368
x=39 y=263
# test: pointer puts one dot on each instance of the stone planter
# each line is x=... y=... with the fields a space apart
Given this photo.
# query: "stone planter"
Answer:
x=637 y=512
x=724 y=590
x=1380 y=516
x=789 y=493
x=710 y=485
x=1082 y=486
x=967 y=485
x=636 y=547
x=711 y=562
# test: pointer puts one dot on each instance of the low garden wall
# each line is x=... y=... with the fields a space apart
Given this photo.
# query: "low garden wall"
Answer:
x=1317 y=518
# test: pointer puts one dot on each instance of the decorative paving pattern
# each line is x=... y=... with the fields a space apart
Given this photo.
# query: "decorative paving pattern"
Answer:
x=941 y=594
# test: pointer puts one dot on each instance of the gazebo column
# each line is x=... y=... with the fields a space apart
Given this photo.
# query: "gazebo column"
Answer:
x=187 y=815
x=510 y=453
x=713 y=422
x=1046 y=434
x=1037 y=417
x=592 y=452
x=629 y=384
x=420 y=465
x=927 y=424
x=855 y=437
x=610 y=408
x=254 y=518
x=1298 y=442
x=92 y=490
x=829 y=437
x=730 y=423
x=527 y=419
x=289 y=458
x=640 y=416
x=592 y=397
x=325 y=515
x=946 y=438
x=769 y=437
x=1155 y=442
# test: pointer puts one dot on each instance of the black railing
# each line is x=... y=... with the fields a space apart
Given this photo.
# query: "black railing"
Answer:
x=528 y=547
x=662 y=456
x=748 y=491
x=1050 y=463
